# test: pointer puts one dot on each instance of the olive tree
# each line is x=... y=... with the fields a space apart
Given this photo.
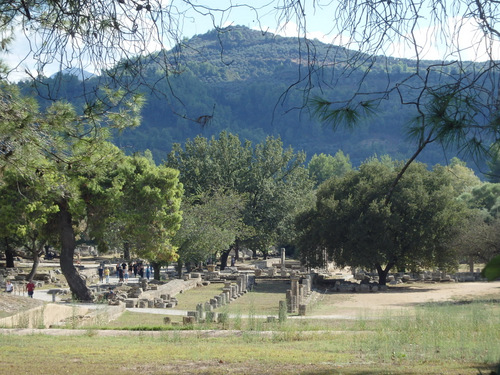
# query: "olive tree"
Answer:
x=355 y=226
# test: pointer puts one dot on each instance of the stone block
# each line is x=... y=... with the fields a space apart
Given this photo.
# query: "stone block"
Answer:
x=188 y=320
x=211 y=267
x=131 y=302
x=211 y=317
x=364 y=288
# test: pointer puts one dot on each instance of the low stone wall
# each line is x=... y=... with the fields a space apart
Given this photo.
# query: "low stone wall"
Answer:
x=159 y=296
x=173 y=287
x=42 y=316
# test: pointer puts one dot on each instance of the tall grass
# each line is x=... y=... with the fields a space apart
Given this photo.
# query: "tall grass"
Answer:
x=432 y=339
x=445 y=331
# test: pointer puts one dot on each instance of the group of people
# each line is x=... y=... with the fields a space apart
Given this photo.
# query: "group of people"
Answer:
x=30 y=287
x=125 y=270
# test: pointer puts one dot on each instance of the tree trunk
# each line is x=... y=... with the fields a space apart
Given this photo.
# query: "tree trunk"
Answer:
x=76 y=284
x=36 y=253
x=471 y=264
x=178 y=267
x=382 y=273
x=9 y=255
x=126 y=250
x=34 y=267
x=156 y=270
x=236 y=252
x=223 y=259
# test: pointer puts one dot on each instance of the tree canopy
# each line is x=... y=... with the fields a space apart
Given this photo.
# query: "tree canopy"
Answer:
x=211 y=223
x=273 y=182
x=65 y=172
x=357 y=227
x=321 y=167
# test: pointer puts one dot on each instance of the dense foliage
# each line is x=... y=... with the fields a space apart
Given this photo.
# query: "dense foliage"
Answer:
x=272 y=181
x=356 y=226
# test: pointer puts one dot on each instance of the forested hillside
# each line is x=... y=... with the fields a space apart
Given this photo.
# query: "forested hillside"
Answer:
x=254 y=84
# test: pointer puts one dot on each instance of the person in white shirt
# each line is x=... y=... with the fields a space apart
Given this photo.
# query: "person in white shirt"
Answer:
x=9 y=287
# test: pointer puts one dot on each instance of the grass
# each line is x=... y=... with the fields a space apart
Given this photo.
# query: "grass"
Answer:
x=458 y=337
x=266 y=294
x=436 y=338
x=189 y=299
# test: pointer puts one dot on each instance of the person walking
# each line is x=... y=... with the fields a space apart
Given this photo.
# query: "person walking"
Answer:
x=135 y=267
x=106 y=274
x=140 y=270
x=120 y=275
x=30 y=287
x=101 y=273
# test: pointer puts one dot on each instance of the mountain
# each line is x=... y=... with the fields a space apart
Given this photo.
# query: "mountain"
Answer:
x=257 y=84
x=78 y=73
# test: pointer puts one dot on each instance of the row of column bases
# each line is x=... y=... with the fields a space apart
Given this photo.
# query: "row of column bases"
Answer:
x=297 y=295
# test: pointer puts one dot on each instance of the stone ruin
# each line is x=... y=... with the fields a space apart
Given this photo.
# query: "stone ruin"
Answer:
x=233 y=289
x=148 y=293
x=296 y=296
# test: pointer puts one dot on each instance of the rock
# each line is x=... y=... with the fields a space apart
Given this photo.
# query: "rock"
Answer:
x=131 y=302
x=364 y=288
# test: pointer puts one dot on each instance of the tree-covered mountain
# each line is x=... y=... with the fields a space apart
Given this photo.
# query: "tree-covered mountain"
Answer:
x=257 y=84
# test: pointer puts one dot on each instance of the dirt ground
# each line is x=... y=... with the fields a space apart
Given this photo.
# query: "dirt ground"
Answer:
x=405 y=296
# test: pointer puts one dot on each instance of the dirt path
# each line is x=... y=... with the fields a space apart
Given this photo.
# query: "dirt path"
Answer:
x=402 y=297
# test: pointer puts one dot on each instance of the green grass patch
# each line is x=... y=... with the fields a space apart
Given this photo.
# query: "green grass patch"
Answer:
x=262 y=300
x=190 y=298
x=438 y=338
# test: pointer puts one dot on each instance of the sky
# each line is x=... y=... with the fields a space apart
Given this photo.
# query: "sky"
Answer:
x=319 y=18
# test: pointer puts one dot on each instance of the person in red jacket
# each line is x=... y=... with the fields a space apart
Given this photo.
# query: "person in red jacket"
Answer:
x=30 y=287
